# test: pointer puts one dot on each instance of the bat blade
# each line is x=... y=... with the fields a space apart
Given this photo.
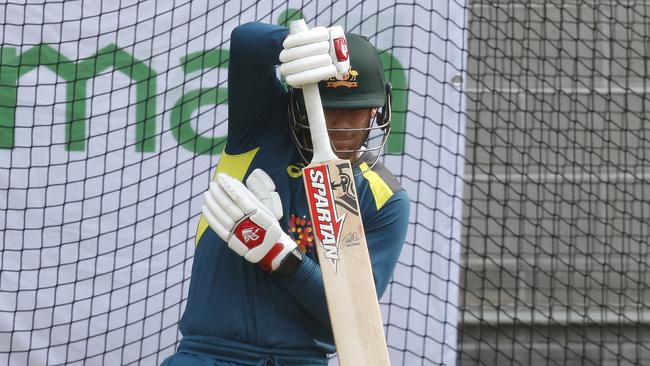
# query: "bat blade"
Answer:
x=345 y=264
x=341 y=244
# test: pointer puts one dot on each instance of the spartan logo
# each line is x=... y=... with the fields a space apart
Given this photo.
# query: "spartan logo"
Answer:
x=322 y=205
x=344 y=188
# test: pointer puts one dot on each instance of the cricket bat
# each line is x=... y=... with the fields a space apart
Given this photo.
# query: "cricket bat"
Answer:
x=341 y=244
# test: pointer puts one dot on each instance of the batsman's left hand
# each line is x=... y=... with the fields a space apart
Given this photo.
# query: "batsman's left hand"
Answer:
x=250 y=227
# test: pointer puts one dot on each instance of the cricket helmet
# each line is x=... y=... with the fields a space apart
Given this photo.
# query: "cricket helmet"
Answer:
x=364 y=87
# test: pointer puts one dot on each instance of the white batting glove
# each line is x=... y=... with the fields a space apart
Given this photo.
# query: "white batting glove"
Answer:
x=249 y=225
x=313 y=55
x=263 y=188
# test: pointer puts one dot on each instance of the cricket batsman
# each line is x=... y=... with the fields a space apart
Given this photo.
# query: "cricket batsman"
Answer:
x=256 y=294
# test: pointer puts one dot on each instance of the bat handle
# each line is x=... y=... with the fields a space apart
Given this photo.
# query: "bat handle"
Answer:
x=317 y=127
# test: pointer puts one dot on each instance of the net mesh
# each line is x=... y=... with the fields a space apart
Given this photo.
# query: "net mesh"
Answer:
x=112 y=118
x=529 y=224
x=556 y=206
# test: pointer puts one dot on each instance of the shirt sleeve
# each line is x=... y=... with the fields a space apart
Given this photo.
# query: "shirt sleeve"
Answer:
x=256 y=98
x=385 y=234
x=306 y=286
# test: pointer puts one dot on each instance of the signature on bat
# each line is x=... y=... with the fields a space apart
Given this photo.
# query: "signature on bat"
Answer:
x=351 y=239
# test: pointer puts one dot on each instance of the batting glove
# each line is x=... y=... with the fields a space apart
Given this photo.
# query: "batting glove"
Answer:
x=247 y=218
x=313 y=55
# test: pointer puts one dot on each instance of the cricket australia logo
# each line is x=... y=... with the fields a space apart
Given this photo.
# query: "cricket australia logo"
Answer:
x=327 y=224
x=349 y=80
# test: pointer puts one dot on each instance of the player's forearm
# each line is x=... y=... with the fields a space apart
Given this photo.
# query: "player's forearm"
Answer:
x=255 y=95
x=306 y=286
x=385 y=235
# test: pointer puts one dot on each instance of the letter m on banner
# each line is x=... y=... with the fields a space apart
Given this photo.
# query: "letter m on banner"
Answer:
x=77 y=75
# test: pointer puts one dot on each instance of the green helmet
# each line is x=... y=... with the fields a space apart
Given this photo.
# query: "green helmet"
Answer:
x=364 y=87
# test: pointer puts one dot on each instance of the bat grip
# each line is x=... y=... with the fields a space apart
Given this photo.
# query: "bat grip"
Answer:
x=317 y=127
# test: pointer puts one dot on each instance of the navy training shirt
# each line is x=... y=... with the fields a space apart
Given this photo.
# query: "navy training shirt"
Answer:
x=234 y=300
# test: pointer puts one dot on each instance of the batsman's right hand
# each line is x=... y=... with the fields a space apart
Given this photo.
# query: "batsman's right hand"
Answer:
x=313 y=55
x=250 y=227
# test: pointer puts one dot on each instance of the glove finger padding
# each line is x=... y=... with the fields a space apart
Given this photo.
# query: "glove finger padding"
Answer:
x=238 y=193
x=224 y=201
x=304 y=64
x=295 y=53
x=222 y=214
x=213 y=213
x=274 y=203
x=311 y=76
x=257 y=236
x=262 y=186
x=313 y=35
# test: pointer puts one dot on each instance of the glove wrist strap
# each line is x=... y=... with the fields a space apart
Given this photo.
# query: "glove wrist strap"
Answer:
x=289 y=265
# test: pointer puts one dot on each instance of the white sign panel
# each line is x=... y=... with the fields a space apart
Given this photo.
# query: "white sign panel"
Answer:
x=100 y=190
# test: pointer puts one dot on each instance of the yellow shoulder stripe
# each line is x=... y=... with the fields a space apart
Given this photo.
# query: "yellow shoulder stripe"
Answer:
x=380 y=190
x=235 y=166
